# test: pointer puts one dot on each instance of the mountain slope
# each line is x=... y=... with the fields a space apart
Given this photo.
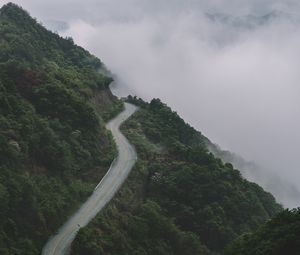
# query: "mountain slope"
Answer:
x=54 y=99
x=103 y=192
x=179 y=199
x=53 y=143
x=280 y=235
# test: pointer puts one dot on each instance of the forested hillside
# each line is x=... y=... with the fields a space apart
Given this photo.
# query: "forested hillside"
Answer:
x=279 y=236
x=53 y=144
x=54 y=148
x=179 y=198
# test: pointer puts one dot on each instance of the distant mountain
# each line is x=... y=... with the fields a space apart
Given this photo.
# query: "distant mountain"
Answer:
x=226 y=29
x=251 y=21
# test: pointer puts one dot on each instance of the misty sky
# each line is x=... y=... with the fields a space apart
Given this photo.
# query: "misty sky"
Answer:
x=227 y=69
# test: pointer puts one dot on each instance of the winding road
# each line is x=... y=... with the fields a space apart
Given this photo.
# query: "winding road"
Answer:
x=103 y=193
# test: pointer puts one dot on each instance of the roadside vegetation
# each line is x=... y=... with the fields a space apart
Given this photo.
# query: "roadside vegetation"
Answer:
x=179 y=198
x=53 y=144
x=54 y=148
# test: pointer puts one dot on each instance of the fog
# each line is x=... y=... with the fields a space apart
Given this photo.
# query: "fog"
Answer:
x=229 y=68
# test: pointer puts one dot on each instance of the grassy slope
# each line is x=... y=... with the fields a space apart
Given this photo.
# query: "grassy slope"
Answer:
x=53 y=144
x=179 y=199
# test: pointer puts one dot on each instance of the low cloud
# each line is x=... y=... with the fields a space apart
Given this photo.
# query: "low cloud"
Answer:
x=232 y=71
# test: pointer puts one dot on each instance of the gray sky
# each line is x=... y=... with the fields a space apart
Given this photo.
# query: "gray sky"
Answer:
x=235 y=78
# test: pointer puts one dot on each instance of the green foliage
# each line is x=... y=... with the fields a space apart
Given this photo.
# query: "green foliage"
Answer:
x=179 y=199
x=28 y=43
x=113 y=111
x=53 y=144
x=280 y=235
x=130 y=225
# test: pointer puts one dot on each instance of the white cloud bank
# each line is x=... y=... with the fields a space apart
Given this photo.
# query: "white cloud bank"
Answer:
x=235 y=79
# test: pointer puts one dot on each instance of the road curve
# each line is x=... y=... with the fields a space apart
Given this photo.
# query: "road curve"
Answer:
x=103 y=193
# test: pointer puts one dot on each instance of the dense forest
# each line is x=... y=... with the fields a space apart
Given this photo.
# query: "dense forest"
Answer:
x=279 y=236
x=179 y=198
x=53 y=143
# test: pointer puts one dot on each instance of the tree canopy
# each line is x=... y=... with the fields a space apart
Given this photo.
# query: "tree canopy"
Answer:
x=53 y=144
x=179 y=199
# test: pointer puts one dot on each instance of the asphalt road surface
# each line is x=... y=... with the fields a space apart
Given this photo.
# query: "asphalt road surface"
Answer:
x=103 y=193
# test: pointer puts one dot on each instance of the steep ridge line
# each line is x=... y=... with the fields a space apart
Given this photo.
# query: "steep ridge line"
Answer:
x=60 y=243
